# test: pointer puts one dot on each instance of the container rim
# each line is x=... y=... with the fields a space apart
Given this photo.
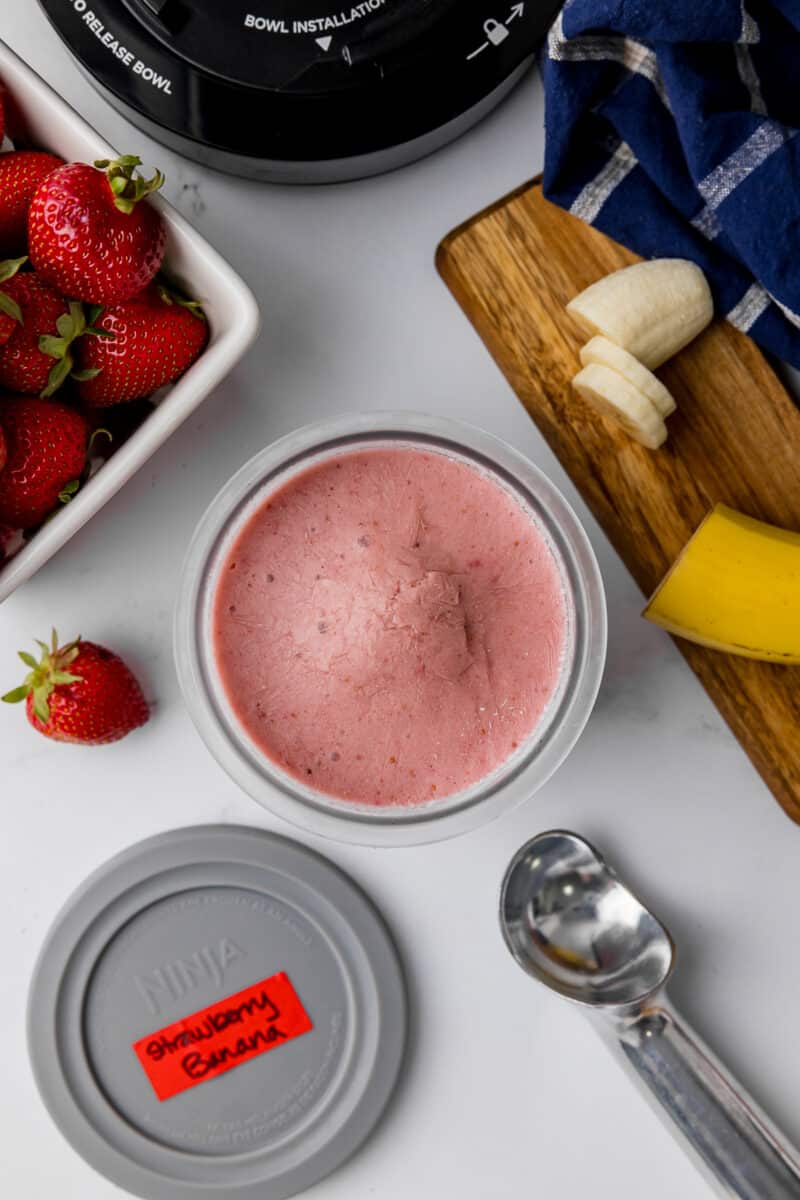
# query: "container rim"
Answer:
x=515 y=779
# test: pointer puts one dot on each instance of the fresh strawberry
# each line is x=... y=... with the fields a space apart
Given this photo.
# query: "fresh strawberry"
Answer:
x=91 y=232
x=36 y=356
x=7 y=327
x=153 y=339
x=21 y=172
x=2 y=115
x=46 y=454
x=3 y=449
x=80 y=693
x=10 y=311
x=36 y=359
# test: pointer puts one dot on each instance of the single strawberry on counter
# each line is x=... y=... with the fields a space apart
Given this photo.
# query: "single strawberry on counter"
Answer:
x=21 y=172
x=46 y=444
x=91 y=232
x=151 y=340
x=80 y=693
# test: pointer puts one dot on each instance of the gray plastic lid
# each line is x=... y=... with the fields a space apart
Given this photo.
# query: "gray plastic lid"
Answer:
x=217 y=1011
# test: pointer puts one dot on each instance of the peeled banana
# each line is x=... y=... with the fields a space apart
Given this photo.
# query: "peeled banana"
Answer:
x=607 y=354
x=651 y=309
x=615 y=396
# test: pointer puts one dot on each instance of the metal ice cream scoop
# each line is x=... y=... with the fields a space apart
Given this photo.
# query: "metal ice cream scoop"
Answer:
x=571 y=923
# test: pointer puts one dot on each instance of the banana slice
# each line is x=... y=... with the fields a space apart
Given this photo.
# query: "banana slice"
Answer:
x=651 y=309
x=608 y=354
x=616 y=397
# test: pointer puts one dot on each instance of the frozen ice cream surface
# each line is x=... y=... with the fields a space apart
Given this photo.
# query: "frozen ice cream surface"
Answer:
x=389 y=625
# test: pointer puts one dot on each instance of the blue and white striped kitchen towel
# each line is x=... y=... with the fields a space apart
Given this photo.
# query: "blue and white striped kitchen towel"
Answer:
x=671 y=126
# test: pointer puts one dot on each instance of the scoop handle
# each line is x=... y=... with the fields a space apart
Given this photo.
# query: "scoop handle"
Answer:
x=741 y=1152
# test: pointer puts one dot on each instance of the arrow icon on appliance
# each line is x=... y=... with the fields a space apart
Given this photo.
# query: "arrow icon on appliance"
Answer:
x=324 y=43
x=497 y=31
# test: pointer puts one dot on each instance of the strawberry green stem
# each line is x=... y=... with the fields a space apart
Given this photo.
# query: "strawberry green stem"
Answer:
x=125 y=181
x=45 y=676
x=69 y=327
x=8 y=304
x=170 y=296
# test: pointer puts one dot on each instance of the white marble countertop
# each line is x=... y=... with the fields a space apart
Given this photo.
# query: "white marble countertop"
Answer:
x=507 y=1092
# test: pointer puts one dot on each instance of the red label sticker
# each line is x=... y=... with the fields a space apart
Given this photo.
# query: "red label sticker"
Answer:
x=224 y=1035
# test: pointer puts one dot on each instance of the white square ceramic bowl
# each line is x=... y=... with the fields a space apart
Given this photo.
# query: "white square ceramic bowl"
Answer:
x=51 y=124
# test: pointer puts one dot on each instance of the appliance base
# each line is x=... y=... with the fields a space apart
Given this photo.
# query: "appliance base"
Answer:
x=338 y=170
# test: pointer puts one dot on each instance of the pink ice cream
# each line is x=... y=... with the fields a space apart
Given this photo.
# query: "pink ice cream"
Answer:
x=389 y=626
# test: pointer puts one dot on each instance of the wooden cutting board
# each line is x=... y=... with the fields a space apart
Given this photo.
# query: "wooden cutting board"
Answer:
x=735 y=437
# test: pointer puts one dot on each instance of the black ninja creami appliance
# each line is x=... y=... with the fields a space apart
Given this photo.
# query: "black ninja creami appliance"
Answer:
x=303 y=91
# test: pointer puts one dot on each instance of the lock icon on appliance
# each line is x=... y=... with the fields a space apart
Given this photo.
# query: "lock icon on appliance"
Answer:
x=495 y=31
